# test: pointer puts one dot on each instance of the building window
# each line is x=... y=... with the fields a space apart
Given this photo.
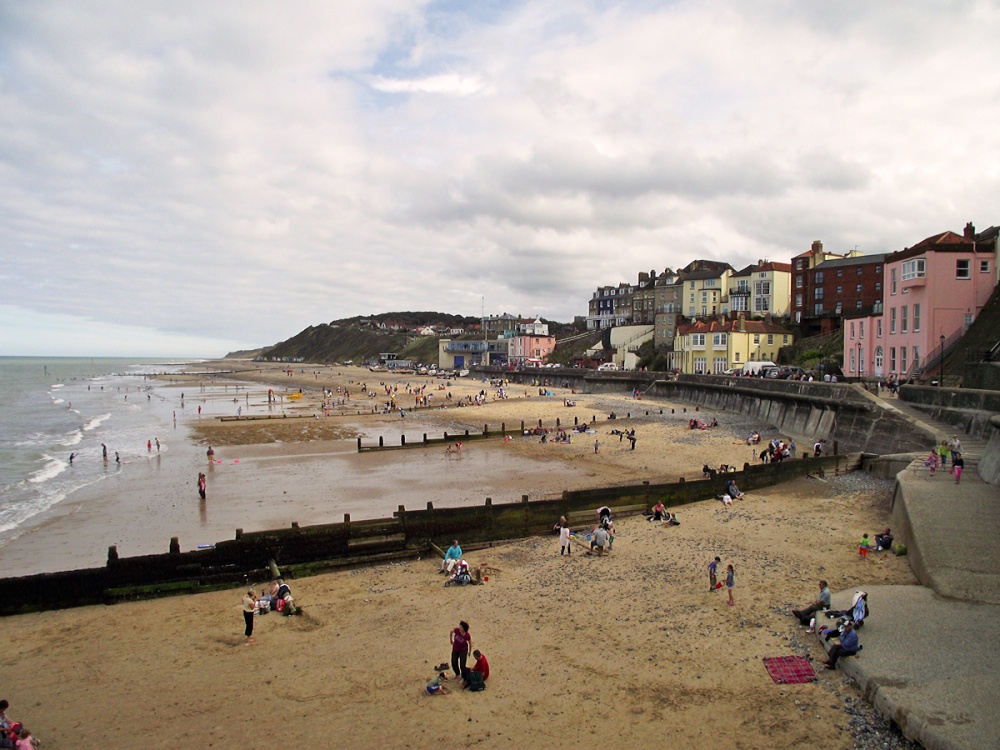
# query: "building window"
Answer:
x=710 y=282
x=853 y=365
x=916 y=318
x=916 y=357
x=878 y=359
x=892 y=359
x=798 y=300
x=762 y=287
x=963 y=269
x=799 y=264
x=878 y=328
x=892 y=281
x=902 y=358
x=840 y=273
x=697 y=339
x=859 y=270
x=892 y=321
x=718 y=365
x=736 y=355
x=902 y=319
x=818 y=293
x=818 y=308
x=858 y=289
x=770 y=338
x=861 y=329
x=840 y=290
x=819 y=277
x=785 y=338
x=798 y=282
x=984 y=266
x=756 y=338
x=719 y=340
x=878 y=270
x=857 y=305
x=839 y=308
x=968 y=319
x=914 y=269
x=878 y=286
x=699 y=364
x=852 y=330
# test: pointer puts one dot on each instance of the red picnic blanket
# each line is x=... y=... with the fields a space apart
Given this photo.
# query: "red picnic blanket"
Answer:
x=788 y=670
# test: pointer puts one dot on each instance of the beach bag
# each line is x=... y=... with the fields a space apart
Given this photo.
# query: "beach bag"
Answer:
x=475 y=682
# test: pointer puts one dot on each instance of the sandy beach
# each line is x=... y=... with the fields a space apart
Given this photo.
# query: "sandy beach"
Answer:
x=627 y=649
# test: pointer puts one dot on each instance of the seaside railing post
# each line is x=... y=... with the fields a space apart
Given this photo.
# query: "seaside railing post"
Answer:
x=402 y=440
x=489 y=517
x=522 y=425
x=112 y=554
x=175 y=546
x=239 y=534
x=425 y=438
x=836 y=448
x=430 y=509
x=401 y=513
x=557 y=423
x=527 y=508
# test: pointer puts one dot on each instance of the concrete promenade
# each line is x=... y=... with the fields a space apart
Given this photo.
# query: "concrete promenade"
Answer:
x=930 y=659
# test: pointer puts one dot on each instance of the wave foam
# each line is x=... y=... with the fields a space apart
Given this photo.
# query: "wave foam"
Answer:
x=53 y=468
x=96 y=422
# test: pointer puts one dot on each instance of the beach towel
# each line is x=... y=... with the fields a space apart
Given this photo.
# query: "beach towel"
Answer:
x=789 y=670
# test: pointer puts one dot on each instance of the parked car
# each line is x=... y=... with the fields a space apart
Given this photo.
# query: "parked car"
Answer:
x=607 y=366
x=783 y=372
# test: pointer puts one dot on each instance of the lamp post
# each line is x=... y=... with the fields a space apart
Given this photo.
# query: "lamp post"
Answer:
x=941 y=364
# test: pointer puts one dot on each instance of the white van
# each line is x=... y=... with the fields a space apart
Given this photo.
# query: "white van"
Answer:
x=752 y=369
x=605 y=366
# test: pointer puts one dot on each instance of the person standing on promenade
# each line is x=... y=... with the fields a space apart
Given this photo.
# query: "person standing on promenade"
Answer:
x=713 y=581
x=249 y=605
x=461 y=642
x=730 y=583
x=957 y=464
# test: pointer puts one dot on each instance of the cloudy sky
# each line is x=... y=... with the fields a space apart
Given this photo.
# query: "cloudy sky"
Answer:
x=188 y=178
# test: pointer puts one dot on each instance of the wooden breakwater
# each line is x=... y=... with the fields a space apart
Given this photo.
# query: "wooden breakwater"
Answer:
x=409 y=533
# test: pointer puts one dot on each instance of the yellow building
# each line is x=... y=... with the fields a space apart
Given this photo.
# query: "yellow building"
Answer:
x=714 y=346
x=761 y=289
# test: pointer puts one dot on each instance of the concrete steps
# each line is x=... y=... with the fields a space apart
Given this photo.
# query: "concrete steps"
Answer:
x=973 y=446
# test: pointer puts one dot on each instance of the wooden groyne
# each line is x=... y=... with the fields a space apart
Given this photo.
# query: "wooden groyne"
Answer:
x=409 y=533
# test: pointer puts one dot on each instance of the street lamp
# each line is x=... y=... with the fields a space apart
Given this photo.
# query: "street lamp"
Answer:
x=941 y=364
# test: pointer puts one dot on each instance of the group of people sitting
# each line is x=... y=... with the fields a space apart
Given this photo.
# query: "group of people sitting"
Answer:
x=851 y=620
x=456 y=568
x=701 y=424
x=660 y=513
x=277 y=597
x=14 y=733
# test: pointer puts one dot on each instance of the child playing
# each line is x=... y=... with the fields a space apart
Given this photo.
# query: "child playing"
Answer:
x=863 y=548
x=25 y=741
x=730 y=582
x=957 y=464
x=932 y=460
x=434 y=686
x=564 y=543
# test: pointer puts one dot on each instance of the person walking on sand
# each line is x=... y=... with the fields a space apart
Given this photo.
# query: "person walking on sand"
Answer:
x=730 y=583
x=564 y=543
x=863 y=547
x=249 y=604
x=597 y=446
x=713 y=581
x=202 y=488
x=461 y=642
x=957 y=464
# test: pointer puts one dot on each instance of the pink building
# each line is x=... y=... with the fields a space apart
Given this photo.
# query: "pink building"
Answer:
x=933 y=291
x=522 y=348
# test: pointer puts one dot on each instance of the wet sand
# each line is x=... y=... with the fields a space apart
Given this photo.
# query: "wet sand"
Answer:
x=629 y=649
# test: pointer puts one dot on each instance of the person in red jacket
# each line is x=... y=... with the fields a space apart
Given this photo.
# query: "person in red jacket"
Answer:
x=481 y=664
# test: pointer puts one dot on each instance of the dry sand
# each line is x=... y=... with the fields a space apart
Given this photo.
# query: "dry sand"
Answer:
x=628 y=650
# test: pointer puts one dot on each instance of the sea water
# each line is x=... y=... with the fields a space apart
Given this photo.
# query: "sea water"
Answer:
x=51 y=408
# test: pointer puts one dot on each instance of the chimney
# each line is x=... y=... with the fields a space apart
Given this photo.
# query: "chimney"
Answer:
x=970 y=231
x=743 y=323
x=817 y=247
x=643 y=277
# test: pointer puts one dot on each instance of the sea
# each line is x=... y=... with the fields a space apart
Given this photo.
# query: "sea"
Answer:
x=55 y=408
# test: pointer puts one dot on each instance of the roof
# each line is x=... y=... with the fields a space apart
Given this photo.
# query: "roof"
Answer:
x=945 y=242
x=764 y=266
x=857 y=260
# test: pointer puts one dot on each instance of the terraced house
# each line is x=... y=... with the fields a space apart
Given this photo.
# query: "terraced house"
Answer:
x=716 y=345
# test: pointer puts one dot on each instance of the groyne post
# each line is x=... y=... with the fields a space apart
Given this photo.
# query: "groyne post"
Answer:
x=175 y=546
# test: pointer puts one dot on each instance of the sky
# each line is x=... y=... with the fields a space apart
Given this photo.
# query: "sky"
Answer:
x=188 y=178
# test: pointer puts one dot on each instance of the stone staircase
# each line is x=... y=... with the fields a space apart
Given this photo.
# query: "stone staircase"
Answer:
x=973 y=446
